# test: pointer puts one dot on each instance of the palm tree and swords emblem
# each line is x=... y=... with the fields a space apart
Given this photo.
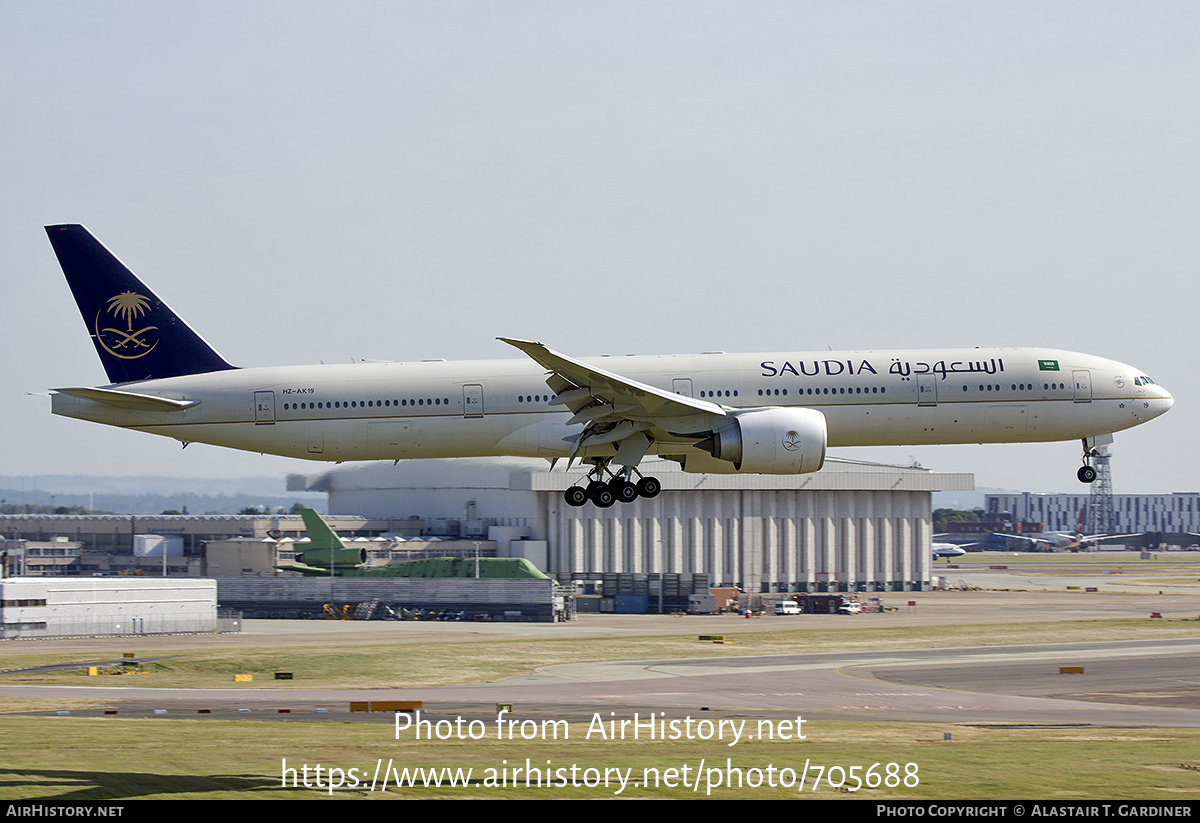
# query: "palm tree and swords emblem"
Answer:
x=127 y=344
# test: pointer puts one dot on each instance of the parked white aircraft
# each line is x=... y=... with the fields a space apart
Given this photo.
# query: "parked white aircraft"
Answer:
x=947 y=550
x=712 y=413
x=1060 y=541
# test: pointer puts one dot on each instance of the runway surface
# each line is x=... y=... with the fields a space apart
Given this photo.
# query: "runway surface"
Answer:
x=1015 y=685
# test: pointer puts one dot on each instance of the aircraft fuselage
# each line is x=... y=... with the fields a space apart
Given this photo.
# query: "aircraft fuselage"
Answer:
x=376 y=411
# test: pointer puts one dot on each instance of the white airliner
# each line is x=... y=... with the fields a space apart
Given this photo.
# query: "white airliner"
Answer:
x=947 y=550
x=712 y=412
x=1056 y=541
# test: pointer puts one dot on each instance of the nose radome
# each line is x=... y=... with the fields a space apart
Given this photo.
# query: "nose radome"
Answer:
x=1161 y=400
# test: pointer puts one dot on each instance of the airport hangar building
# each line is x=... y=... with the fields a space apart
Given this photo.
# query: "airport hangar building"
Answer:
x=849 y=527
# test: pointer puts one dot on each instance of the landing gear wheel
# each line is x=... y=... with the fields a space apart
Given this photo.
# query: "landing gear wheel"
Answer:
x=575 y=496
x=649 y=487
x=602 y=495
x=624 y=491
x=1086 y=474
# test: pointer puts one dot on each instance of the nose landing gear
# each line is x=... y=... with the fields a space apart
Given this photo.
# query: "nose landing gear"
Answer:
x=1091 y=449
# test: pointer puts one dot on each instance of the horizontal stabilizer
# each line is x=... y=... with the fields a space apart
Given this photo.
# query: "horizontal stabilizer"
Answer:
x=130 y=400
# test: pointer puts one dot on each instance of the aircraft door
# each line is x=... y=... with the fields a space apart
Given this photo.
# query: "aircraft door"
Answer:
x=682 y=385
x=473 y=400
x=926 y=390
x=264 y=408
x=1083 y=385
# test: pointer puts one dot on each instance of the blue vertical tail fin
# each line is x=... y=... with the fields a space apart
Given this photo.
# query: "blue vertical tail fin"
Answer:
x=136 y=334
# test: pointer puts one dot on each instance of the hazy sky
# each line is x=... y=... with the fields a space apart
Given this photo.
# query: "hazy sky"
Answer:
x=311 y=182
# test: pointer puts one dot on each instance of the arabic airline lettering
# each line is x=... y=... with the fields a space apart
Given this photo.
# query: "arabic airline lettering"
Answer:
x=712 y=413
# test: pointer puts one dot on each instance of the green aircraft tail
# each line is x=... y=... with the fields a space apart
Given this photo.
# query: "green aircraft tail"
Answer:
x=325 y=548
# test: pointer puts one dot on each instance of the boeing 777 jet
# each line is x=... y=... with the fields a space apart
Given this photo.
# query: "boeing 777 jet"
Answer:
x=712 y=413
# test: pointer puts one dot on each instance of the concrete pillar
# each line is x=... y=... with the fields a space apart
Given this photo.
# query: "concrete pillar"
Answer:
x=696 y=545
x=614 y=544
x=885 y=552
x=808 y=542
x=654 y=547
x=790 y=548
x=633 y=551
x=923 y=546
x=593 y=557
x=848 y=567
x=867 y=542
x=903 y=553
x=674 y=539
x=751 y=544
x=826 y=568
x=770 y=550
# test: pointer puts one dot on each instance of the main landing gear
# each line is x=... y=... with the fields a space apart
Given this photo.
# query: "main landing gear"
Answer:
x=621 y=487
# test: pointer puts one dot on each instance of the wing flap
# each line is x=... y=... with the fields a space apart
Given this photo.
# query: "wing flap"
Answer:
x=648 y=402
x=602 y=413
x=616 y=410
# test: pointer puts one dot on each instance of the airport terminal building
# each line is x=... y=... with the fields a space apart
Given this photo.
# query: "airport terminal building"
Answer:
x=1171 y=513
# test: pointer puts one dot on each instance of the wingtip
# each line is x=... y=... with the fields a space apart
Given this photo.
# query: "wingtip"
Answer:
x=518 y=342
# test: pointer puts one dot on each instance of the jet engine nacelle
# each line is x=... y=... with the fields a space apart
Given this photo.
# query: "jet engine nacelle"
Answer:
x=771 y=441
x=342 y=558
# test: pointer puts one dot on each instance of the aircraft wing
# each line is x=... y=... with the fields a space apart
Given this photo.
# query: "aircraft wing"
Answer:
x=1026 y=538
x=1089 y=537
x=616 y=409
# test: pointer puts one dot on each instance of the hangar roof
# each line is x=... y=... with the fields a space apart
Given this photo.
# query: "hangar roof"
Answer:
x=534 y=475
